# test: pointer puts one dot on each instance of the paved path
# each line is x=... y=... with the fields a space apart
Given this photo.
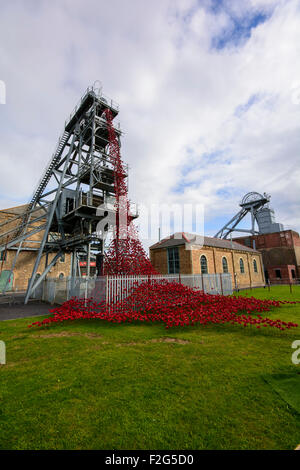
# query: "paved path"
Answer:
x=11 y=312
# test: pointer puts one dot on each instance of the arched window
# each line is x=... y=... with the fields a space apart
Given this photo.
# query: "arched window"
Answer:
x=255 y=266
x=203 y=265
x=242 y=267
x=61 y=276
x=173 y=260
x=225 y=265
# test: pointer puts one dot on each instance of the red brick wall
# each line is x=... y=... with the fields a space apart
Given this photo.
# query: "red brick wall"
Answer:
x=285 y=271
x=272 y=240
x=279 y=250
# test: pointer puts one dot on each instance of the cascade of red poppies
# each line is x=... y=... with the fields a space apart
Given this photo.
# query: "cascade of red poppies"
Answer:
x=125 y=255
x=174 y=305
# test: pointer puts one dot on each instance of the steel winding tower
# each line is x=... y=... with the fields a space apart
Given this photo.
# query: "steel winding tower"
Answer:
x=258 y=206
x=78 y=179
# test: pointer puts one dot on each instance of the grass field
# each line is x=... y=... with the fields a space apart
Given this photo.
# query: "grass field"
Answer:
x=94 y=385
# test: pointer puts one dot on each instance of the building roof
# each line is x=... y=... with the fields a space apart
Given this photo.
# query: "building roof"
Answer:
x=19 y=210
x=181 y=238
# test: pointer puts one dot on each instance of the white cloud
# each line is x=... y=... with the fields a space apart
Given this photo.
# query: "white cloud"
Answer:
x=178 y=96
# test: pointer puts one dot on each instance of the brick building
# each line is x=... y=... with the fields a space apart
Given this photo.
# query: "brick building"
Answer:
x=280 y=254
x=27 y=257
x=188 y=255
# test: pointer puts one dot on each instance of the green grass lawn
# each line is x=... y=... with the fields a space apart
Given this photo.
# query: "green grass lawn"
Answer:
x=94 y=385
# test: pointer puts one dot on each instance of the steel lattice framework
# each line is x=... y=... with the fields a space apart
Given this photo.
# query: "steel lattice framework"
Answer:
x=251 y=203
x=79 y=179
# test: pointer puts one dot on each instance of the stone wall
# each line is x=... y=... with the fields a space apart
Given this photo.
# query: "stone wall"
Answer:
x=25 y=263
x=27 y=257
x=190 y=263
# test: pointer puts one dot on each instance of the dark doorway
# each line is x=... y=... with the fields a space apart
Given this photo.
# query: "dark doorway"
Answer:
x=278 y=273
x=293 y=273
x=69 y=204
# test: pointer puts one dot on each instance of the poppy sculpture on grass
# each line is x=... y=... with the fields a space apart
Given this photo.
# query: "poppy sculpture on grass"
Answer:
x=171 y=303
x=174 y=305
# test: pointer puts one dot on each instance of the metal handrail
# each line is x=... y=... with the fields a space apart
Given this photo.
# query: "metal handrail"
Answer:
x=72 y=114
x=112 y=104
x=61 y=141
x=285 y=280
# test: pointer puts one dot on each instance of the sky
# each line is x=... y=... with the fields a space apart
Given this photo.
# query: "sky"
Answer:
x=209 y=96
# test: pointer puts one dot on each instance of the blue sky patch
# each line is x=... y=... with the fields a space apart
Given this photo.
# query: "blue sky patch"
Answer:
x=243 y=108
x=239 y=31
x=195 y=163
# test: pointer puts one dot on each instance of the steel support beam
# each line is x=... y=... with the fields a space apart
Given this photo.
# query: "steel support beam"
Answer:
x=45 y=272
x=49 y=220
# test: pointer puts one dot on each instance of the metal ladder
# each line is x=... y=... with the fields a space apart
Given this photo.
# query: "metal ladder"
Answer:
x=47 y=175
x=40 y=187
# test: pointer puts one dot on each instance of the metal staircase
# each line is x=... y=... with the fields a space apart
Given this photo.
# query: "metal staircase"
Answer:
x=21 y=228
x=49 y=169
x=78 y=165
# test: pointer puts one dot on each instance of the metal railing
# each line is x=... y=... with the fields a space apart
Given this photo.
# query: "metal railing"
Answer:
x=100 y=97
x=114 y=288
x=288 y=282
x=283 y=281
